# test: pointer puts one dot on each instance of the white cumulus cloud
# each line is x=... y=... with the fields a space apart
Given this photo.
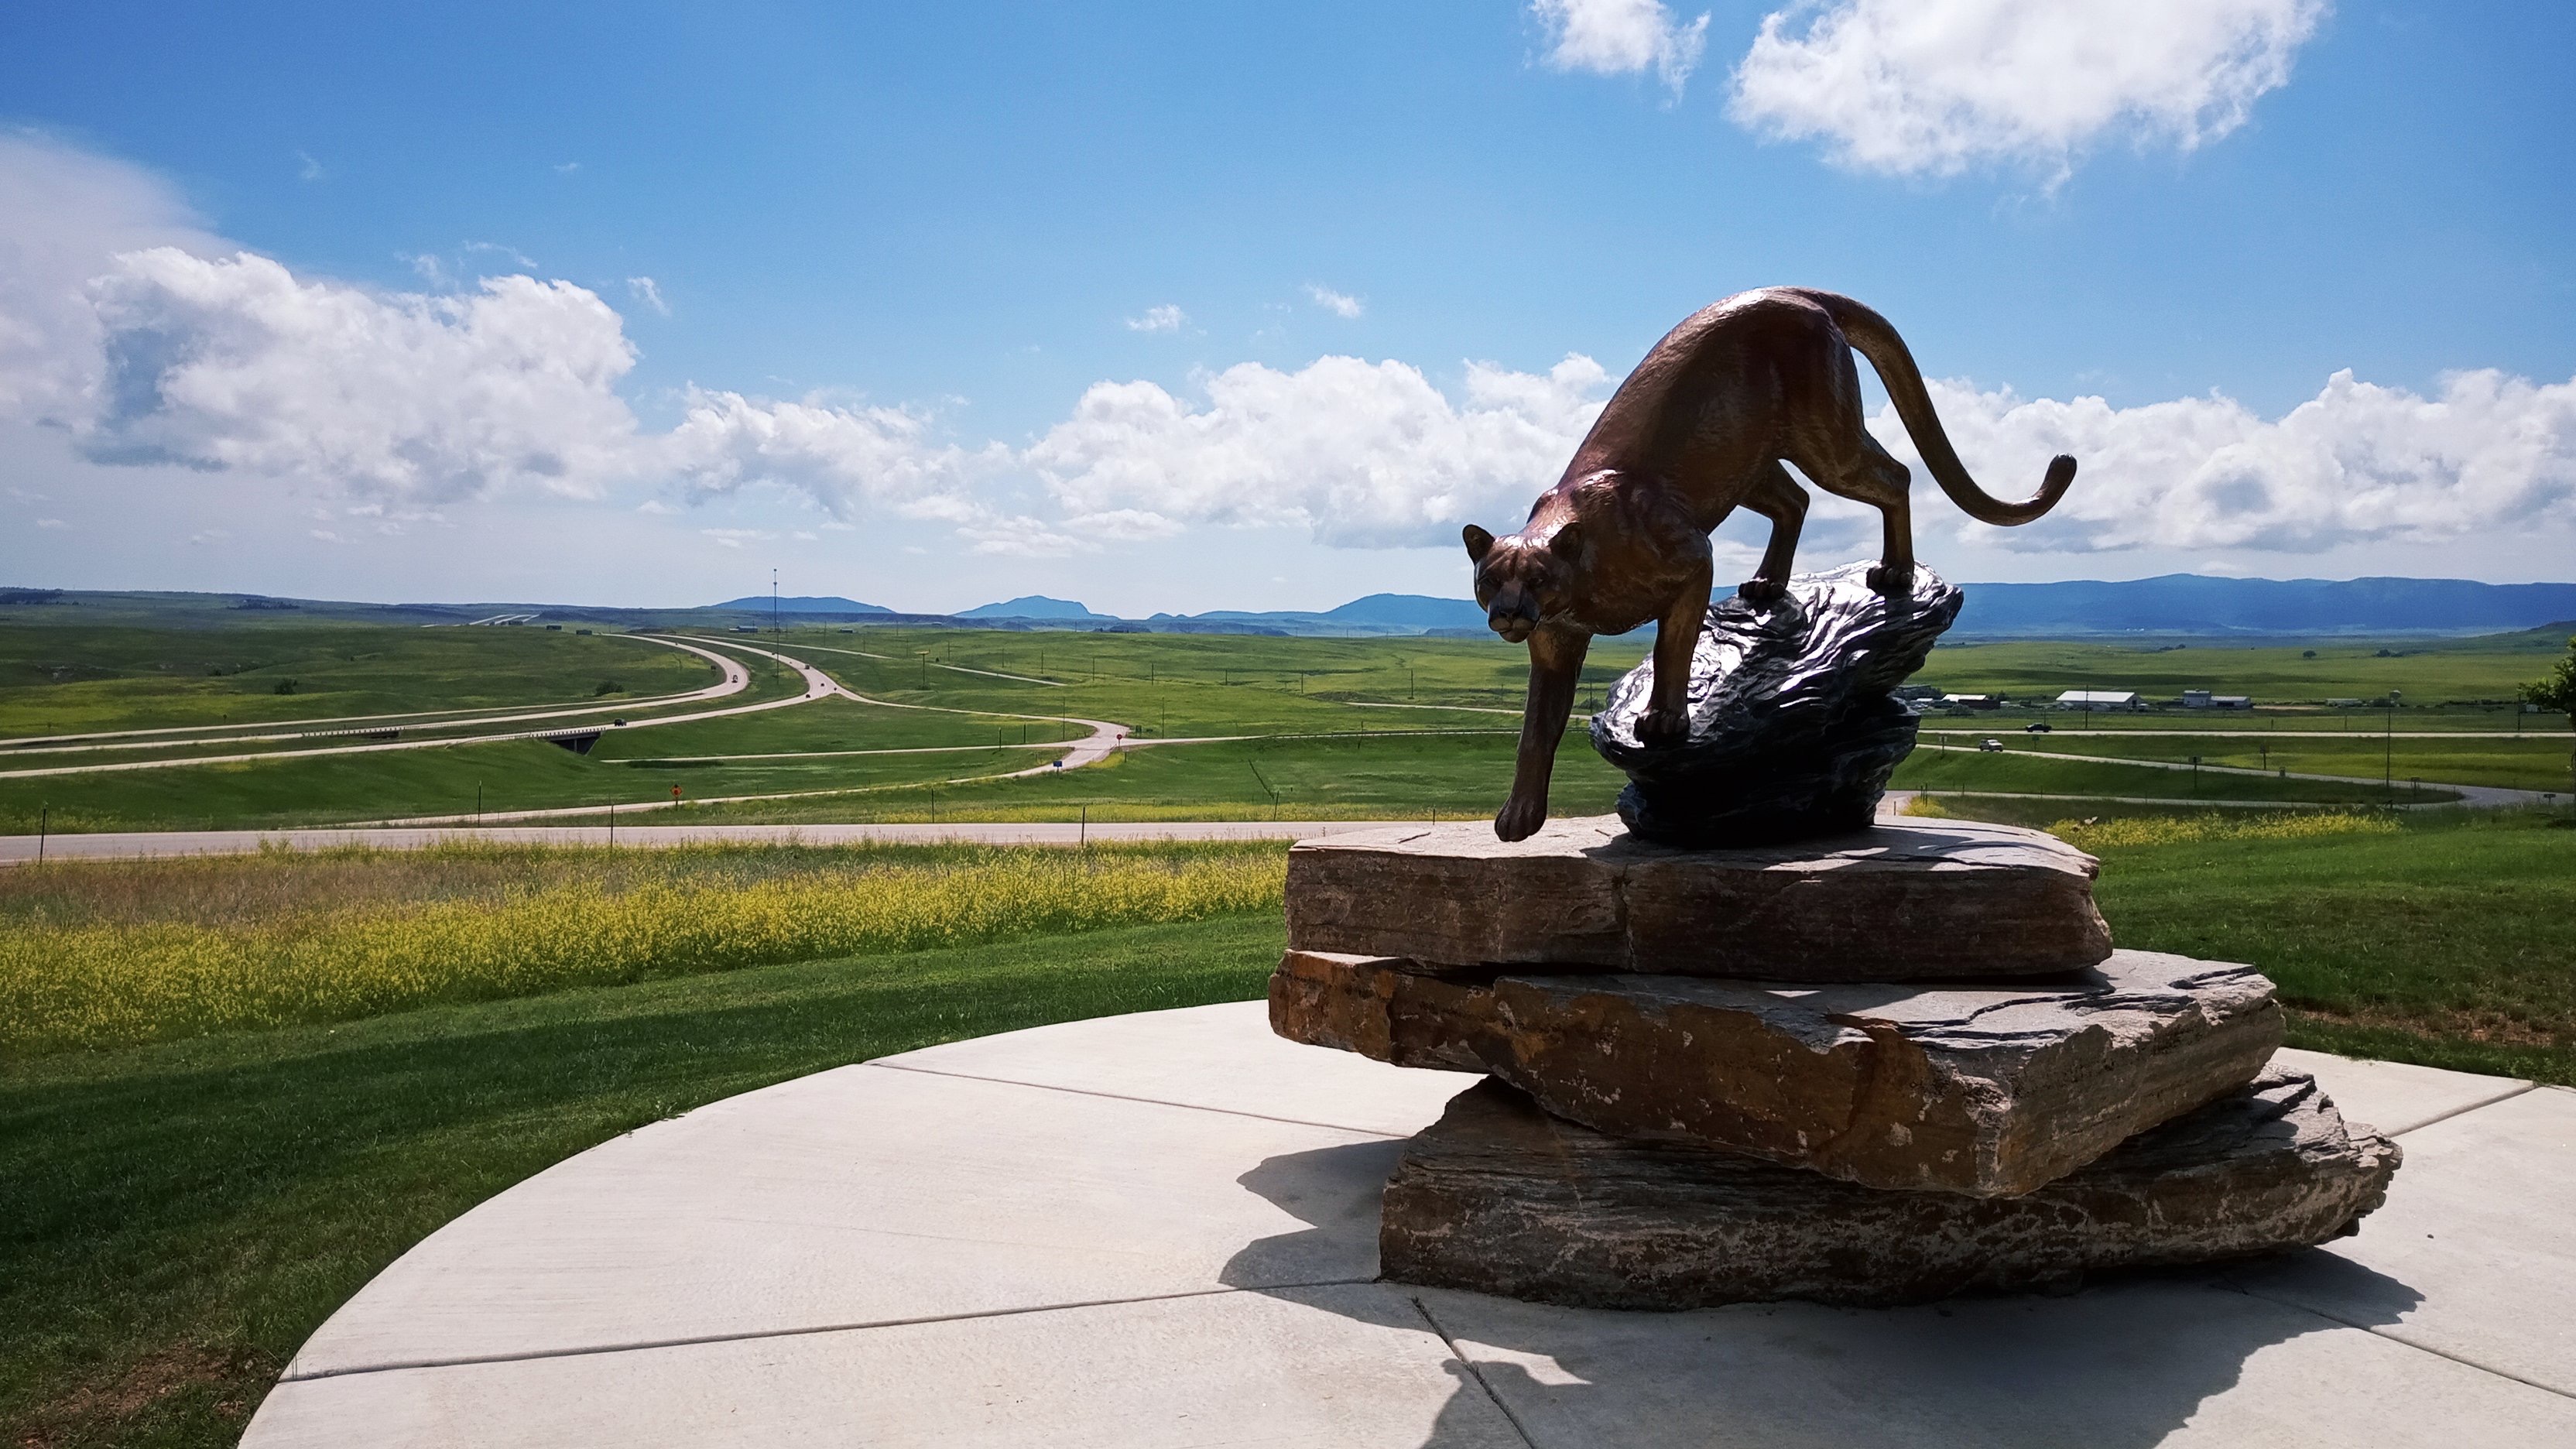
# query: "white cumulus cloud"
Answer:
x=1362 y=454
x=1622 y=37
x=1340 y=304
x=1935 y=86
x=142 y=339
x=648 y=292
x=235 y=363
x=2357 y=462
x=1166 y=318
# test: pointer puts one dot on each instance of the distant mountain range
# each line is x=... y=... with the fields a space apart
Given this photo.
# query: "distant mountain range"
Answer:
x=1033 y=606
x=2176 y=605
x=2199 y=605
x=803 y=604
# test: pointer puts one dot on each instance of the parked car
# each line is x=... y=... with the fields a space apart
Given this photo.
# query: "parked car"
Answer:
x=2040 y=728
x=1990 y=745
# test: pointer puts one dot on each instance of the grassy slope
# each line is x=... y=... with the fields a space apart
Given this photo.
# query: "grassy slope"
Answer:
x=1162 y=685
x=67 y=678
x=1383 y=777
x=2534 y=762
x=518 y=775
x=181 y=1217
x=2428 y=672
x=2446 y=944
x=2018 y=773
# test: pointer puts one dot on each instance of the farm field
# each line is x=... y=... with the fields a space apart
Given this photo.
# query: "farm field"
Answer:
x=2466 y=674
x=179 y=1214
x=2531 y=762
x=1260 y=727
x=67 y=679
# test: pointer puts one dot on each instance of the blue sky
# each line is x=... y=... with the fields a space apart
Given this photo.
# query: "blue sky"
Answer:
x=1191 y=306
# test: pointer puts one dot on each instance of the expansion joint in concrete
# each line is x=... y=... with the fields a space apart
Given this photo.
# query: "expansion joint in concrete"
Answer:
x=1148 y=1101
x=1475 y=1373
x=754 y=1336
x=2518 y=1089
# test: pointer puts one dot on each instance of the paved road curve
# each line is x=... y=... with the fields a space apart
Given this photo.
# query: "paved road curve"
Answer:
x=735 y=680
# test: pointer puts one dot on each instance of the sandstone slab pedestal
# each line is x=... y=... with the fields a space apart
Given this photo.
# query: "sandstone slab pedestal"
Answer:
x=1986 y=1090
x=1905 y=901
x=1500 y=1197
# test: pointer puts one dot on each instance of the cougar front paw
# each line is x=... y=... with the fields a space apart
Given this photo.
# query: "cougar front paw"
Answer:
x=1762 y=591
x=1661 y=725
x=1891 y=578
x=1519 y=819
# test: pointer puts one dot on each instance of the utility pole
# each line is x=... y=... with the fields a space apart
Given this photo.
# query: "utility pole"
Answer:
x=2388 y=749
x=773 y=606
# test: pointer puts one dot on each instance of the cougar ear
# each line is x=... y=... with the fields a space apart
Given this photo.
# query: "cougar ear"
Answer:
x=1479 y=542
x=1567 y=542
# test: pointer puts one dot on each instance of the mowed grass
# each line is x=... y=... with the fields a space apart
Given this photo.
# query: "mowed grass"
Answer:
x=2016 y=771
x=2447 y=939
x=1191 y=685
x=176 y=1219
x=2425 y=672
x=2532 y=762
x=512 y=775
x=1407 y=776
x=60 y=678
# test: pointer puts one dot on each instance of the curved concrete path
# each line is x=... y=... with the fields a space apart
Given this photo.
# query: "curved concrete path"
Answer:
x=1160 y=1230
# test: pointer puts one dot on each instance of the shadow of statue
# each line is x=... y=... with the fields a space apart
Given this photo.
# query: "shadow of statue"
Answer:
x=2121 y=1364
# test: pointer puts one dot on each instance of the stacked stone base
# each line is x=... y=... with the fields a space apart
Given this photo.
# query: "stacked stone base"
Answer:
x=1876 y=1121
x=1503 y=1198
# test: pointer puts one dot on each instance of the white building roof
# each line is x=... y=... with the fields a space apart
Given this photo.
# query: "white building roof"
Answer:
x=2098 y=696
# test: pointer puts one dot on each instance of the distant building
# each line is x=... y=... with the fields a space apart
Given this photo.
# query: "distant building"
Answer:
x=2195 y=699
x=2100 y=699
x=2343 y=704
x=746 y=628
x=2231 y=701
x=1974 y=701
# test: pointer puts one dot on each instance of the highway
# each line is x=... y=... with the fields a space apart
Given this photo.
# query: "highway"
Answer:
x=735 y=679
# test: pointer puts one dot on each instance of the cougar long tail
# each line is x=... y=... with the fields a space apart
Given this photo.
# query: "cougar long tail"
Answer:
x=1872 y=337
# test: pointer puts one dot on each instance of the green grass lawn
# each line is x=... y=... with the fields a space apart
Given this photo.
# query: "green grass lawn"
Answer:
x=2425 y=671
x=1160 y=685
x=252 y=793
x=1193 y=684
x=2450 y=942
x=175 y=1220
x=2014 y=771
x=2533 y=762
x=1405 y=776
x=62 y=679
x=825 y=724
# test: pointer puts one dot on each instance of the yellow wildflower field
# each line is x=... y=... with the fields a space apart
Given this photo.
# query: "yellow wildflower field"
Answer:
x=86 y=969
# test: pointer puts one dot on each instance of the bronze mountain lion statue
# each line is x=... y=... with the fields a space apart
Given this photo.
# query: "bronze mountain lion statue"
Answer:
x=1701 y=427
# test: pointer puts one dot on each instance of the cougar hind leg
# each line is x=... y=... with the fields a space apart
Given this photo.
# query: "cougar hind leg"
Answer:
x=1865 y=473
x=1776 y=496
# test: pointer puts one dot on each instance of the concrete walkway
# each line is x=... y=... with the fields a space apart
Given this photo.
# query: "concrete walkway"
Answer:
x=1160 y=1230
